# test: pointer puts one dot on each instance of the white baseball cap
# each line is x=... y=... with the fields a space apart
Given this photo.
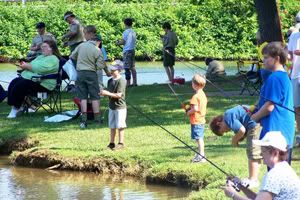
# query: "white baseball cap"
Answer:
x=116 y=65
x=274 y=139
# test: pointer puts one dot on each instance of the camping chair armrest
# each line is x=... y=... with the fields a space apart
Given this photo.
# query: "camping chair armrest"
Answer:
x=39 y=78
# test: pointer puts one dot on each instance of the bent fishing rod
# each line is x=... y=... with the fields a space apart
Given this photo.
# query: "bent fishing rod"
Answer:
x=224 y=92
x=177 y=138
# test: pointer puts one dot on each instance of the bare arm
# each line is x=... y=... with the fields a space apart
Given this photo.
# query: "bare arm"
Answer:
x=265 y=110
x=110 y=94
x=297 y=52
x=120 y=42
x=194 y=108
x=26 y=66
x=238 y=136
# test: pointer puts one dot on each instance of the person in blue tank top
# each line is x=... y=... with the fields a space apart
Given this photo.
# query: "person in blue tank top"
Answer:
x=276 y=96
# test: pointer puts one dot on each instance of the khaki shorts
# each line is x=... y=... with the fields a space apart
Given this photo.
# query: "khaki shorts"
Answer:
x=253 y=151
x=87 y=85
x=117 y=118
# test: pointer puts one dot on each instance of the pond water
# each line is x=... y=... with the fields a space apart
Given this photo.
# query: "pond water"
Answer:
x=27 y=183
x=147 y=72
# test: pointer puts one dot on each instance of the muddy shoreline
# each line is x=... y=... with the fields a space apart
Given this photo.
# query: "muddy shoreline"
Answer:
x=25 y=152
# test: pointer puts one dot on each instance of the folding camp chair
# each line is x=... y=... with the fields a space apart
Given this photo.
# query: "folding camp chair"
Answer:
x=250 y=79
x=49 y=101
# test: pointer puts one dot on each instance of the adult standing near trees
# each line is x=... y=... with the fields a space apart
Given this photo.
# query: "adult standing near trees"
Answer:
x=37 y=41
x=294 y=51
x=170 y=41
x=74 y=36
x=129 y=42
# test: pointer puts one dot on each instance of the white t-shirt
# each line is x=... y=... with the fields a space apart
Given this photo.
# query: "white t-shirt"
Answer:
x=282 y=182
x=294 y=44
x=129 y=37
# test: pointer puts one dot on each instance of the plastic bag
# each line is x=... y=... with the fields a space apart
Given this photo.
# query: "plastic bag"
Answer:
x=69 y=68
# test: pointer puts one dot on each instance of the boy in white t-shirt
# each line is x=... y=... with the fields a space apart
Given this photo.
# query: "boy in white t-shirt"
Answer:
x=294 y=51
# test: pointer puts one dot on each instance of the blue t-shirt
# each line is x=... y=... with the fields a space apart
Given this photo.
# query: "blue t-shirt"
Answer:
x=237 y=117
x=129 y=37
x=278 y=89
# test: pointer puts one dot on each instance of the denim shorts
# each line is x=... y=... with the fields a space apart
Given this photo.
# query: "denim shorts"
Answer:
x=197 y=131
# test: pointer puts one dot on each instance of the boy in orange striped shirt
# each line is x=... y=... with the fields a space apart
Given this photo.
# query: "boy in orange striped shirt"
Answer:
x=197 y=114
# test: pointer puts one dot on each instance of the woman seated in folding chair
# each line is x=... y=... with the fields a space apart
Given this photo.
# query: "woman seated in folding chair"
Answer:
x=19 y=88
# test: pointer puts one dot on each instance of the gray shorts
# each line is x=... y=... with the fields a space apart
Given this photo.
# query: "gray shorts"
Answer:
x=87 y=85
x=117 y=118
x=128 y=59
x=296 y=92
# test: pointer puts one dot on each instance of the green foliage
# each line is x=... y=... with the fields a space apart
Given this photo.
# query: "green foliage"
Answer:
x=217 y=28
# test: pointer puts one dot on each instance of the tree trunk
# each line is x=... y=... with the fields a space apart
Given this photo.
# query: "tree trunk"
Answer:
x=268 y=20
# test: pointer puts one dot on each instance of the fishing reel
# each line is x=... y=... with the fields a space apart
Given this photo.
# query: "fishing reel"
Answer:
x=236 y=183
x=185 y=107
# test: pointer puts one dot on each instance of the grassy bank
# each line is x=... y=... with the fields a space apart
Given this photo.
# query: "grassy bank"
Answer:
x=149 y=152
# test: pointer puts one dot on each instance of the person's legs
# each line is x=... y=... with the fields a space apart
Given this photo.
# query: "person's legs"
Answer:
x=127 y=76
x=253 y=166
x=10 y=91
x=83 y=107
x=168 y=71
x=254 y=157
x=121 y=135
x=200 y=145
x=112 y=135
x=197 y=133
x=290 y=152
x=134 y=79
x=172 y=73
x=18 y=90
x=297 y=110
x=96 y=110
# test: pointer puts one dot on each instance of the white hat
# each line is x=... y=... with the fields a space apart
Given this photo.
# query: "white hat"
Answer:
x=274 y=139
x=116 y=65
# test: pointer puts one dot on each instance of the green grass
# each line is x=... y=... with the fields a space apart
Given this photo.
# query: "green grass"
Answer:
x=145 y=143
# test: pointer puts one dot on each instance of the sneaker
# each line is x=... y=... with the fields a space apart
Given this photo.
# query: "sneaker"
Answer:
x=198 y=159
x=248 y=183
x=111 y=146
x=83 y=125
x=118 y=147
x=14 y=113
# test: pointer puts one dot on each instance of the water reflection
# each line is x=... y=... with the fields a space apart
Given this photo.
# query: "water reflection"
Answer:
x=148 y=72
x=26 y=183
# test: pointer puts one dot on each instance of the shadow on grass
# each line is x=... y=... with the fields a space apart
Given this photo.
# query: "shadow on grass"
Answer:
x=155 y=101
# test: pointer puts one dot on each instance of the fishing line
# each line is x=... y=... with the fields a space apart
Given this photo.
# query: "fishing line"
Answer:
x=174 y=136
x=225 y=93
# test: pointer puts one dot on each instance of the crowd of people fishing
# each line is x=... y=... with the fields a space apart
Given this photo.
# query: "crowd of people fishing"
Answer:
x=268 y=126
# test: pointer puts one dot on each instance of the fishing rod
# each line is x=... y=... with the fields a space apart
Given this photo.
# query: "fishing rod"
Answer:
x=4 y=82
x=177 y=138
x=177 y=97
x=225 y=93
x=174 y=136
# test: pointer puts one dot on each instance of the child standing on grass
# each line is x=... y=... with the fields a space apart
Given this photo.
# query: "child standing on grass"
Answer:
x=89 y=58
x=276 y=96
x=197 y=114
x=238 y=120
x=116 y=88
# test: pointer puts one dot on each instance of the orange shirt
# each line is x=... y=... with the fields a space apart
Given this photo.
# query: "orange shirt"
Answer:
x=199 y=99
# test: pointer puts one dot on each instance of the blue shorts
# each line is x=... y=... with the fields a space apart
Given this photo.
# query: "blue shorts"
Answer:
x=197 y=131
